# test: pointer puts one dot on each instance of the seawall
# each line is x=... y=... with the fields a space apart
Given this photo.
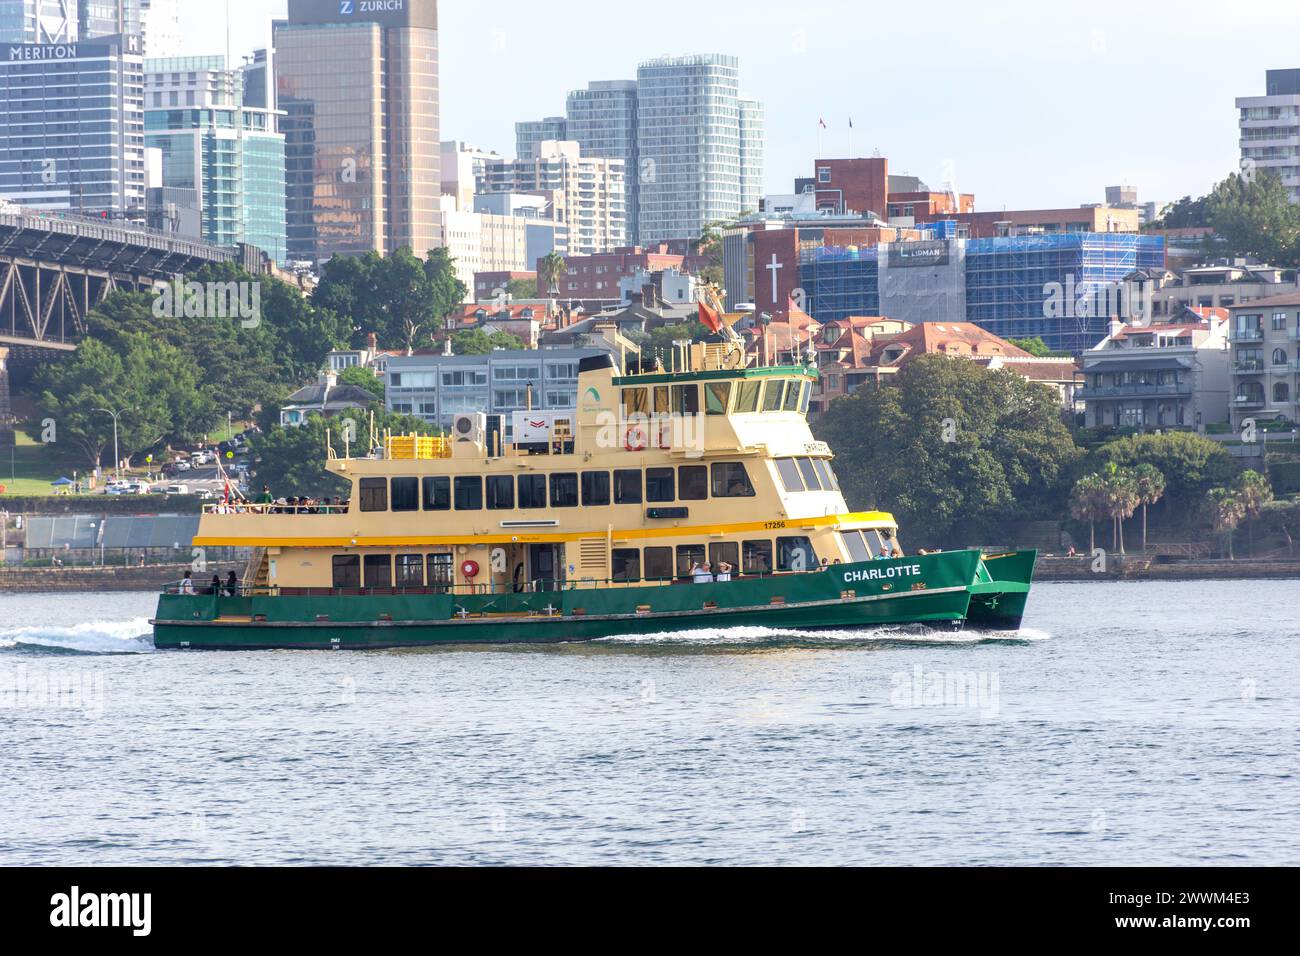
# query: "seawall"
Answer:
x=110 y=578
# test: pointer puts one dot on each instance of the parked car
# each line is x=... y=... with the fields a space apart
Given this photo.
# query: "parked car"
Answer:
x=176 y=490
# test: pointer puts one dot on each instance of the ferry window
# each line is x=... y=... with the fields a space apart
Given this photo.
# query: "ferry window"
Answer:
x=406 y=494
x=410 y=570
x=792 y=396
x=564 y=490
x=809 y=474
x=501 y=492
x=347 y=571
x=789 y=472
x=756 y=557
x=658 y=564
x=686 y=399
x=635 y=401
x=805 y=398
x=469 y=492
x=595 y=488
x=747 y=397
x=693 y=482
x=625 y=564
x=374 y=494
x=727 y=551
x=627 y=487
x=437 y=493
x=532 y=491
x=795 y=554
x=659 y=484
x=858 y=549
x=825 y=474
x=688 y=555
x=772 y=395
x=663 y=404
x=716 y=397
x=731 y=480
x=441 y=574
x=379 y=571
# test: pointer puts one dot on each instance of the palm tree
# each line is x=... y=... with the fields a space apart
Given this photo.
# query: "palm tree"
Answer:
x=1088 y=503
x=1226 y=512
x=550 y=269
x=1150 y=489
x=1121 y=500
x=1254 y=492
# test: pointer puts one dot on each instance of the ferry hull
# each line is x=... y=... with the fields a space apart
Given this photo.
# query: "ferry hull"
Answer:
x=942 y=590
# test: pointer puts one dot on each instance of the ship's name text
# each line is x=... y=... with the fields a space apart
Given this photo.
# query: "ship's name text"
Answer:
x=881 y=574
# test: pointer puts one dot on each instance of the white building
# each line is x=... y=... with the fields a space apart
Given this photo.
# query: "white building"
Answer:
x=160 y=21
x=464 y=172
x=1270 y=128
x=482 y=242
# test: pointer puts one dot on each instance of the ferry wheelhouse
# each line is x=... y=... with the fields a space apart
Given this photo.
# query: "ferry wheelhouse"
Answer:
x=589 y=523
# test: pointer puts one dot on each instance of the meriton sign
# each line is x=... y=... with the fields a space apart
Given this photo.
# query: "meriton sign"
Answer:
x=42 y=51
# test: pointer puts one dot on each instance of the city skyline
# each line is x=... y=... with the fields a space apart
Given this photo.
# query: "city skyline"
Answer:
x=1021 y=71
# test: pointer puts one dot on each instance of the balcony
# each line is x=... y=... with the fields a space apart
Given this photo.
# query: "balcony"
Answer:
x=1247 y=367
x=1247 y=335
x=1134 y=391
x=1293 y=334
x=1248 y=401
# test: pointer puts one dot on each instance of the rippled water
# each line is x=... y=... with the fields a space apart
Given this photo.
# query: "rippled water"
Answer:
x=1127 y=724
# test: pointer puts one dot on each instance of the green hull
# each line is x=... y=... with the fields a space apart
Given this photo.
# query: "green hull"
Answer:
x=939 y=590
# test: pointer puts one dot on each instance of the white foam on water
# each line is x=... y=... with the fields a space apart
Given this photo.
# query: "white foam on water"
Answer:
x=93 y=637
x=773 y=635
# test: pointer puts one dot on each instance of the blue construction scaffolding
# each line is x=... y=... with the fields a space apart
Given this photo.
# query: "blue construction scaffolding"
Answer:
x=839 y=281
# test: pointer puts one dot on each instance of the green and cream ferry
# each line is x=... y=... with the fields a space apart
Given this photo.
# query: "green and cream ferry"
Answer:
x=665 y=501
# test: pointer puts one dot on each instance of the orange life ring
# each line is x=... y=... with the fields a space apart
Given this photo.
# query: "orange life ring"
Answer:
x=636 y=438
x=469 y=569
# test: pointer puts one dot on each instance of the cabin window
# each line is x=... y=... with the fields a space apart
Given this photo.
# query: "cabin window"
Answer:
x=858 y=549
x=663 y=400
x=772 y=392
x=693 y=482
x=789 y=472
x=658 y=564
x=532 y=491
x=595 y=488
x=825 y=474
x=564 y=490
x=636 y=401
x=756 y=557
x=625 y=563
x=406 y=494
x=731 y=480
x=501 y=492
x=805 y=397
x=795 y=554
x=410 y=570
x=809 y=474
x=469 y=492
x=688 y=555
x=659 y=484
x=347 y=571
x=379 y=571
x=728 y=551
x=437 y=493
x=686 y=399
x=627 y=486
x=374 y=494
x=747 y=397
x=441 y=571
x=792 y=396
x=716 y=397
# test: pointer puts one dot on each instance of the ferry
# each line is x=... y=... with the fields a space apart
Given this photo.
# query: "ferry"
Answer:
x=666 y=500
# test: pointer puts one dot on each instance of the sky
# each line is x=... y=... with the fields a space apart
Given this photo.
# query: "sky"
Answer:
x=1025 y=103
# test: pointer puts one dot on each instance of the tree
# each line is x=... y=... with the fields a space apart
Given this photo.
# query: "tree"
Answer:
x=709 y=246
x=522 y=289
x=446 y=290
x=1190 y=463
x=363 y=378
x=661 y=341
x=1254 y=492
x=1185 y=213
x=1088 y=502
x=551 y=268
x=1150 y=489
x=1254 y=216
x=1285 y=517
x=955 y=449
x=479 y=342
x=393 y=297
x=1226 y=513
x=1122 y=499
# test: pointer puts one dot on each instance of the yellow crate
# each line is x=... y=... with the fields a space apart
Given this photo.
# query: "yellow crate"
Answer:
x=417 y=447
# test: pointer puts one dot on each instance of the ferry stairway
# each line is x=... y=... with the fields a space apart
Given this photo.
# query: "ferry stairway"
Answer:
x=257 y=571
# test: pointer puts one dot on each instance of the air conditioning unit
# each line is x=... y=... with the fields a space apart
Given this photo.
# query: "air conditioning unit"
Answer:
x=467 y=428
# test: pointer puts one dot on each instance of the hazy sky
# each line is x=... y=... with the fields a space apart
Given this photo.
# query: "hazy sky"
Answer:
x=1026 y=103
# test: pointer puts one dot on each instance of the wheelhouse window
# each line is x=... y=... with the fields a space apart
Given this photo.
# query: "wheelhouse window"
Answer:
x=659 y=484
x=789 y=472
x=469 y=492
x=756 y=557
x=795 y=554
x=410 y=570
x=636 y=401
x=859 y=549
x=595 y=488
x=747 y=396
x=772 y=392
x=658 y=564
x=717 y=396
x=627 y=486
x=808 y=472
x=379 y=571
x=686 y=399
x=825 y=474
x=500 y=492
x=532 y=491
x=731 y=480
x=437 y=493
x=406 y=494
x=625 y=563
x=347 y=571
x=693 y=483
x=792 y=396
x=374 y=494
x=564 y=490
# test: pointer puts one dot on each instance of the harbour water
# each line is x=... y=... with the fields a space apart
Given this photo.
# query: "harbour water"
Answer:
x=1128 y=723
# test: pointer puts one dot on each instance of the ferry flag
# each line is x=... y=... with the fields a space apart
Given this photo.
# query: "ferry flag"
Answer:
x=710 y=318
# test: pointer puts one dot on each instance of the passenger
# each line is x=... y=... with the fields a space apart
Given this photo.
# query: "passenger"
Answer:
x=216 y=584
x=186 y=585
x=265 y=497
x=701 y=573
x=232 y=584
x=724 y=572
x=883 y=555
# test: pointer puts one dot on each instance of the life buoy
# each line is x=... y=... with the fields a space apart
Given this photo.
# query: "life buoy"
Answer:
x=637 y=438
x=469 y=569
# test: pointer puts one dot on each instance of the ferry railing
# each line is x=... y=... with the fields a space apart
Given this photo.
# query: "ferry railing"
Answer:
x=259 y=508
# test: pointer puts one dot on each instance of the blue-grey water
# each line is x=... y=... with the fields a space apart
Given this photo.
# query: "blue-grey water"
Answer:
x=1151 y=723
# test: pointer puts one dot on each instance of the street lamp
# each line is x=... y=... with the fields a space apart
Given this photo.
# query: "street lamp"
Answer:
x=117 y=459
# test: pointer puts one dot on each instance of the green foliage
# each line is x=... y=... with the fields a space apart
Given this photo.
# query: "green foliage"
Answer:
x=1035 y=346
x=551 y=268
x=709 y=245
x=1184 y=214
x=479 y=342
x=1190 y=463
x=1285 y=476
x=953 y=449
x=522 y=288
x=363 y=378
x=1256 y=217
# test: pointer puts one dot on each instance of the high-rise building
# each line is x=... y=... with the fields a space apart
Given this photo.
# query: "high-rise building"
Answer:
x=689 y=140
x=464 y=172
x=1270 y=129
x=97 y=18
x=358 y=84
x=602 y=121
x=218 y=136
x=63 y=149
x=160 y=21
x=38 y=21
x=529 y=133
x=751 y=154
x=586 y=193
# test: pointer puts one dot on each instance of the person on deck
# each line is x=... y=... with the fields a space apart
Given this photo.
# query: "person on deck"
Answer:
x=265 y=497
x=724 y=572
x=187 y=584
x=232 y=584
x=701 y=573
